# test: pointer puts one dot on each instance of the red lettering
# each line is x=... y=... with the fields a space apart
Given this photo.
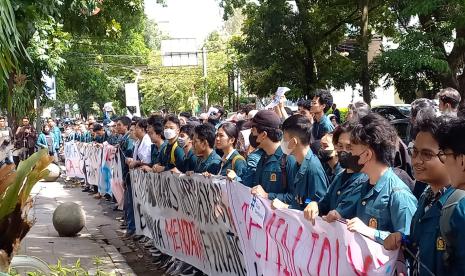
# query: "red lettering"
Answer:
x=315 y=237
x=366 y=263
x=288 y=255
x=251 y=224
x=185 y=237
x=326 y=247
x=280 y=222
x=337 y=257
x=268 y=233
x=294 y=246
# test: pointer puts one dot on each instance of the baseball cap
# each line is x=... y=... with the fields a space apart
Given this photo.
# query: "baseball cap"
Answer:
x=266 y=118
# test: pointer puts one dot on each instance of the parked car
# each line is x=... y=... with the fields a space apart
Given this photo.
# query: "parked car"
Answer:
x=393 y=112
x=403 y=128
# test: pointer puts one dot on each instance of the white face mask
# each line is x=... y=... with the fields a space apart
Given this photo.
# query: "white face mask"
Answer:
x=285 y=147
x=169 y=133
x=182 y=142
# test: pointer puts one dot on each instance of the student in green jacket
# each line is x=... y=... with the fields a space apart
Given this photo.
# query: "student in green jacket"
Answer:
x=172 y=156
x=310 y=181
x=233 y=164
x=204 y=140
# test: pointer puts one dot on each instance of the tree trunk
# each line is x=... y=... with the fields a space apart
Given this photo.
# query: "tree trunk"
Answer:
x=311 y=78
x=364 y=42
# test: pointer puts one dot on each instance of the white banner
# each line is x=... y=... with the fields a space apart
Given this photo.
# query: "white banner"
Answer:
x=92 y=155
x=188 y=218
x=283 y=242
x=215 y=225
x=74 y=162
x=102 y=166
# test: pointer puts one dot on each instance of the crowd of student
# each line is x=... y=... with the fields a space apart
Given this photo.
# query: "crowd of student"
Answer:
x=359 y=173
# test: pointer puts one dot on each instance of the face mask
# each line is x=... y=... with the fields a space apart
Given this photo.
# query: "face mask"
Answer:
x=182 y=142
x=349 y=161
x=324 y=155
x=285 y=147
x=169 y=133
x=240 y=117
x=253 y=141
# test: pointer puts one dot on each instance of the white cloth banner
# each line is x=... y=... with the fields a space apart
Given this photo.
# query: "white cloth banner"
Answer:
x=111 y=174
x=219 y=227
x=283 y=242
x=188 y=218
x=102 y=166
x=92 y=160
x=74 y=162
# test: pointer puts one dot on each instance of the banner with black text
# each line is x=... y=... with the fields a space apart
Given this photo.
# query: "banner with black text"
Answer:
x=219 y=227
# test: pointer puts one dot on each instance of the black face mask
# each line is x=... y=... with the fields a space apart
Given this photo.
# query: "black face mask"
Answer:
x=253 y=140
x=324 y=155
x=349 y=161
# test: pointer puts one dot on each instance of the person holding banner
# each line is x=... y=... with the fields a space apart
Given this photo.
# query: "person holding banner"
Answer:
x=85 y=135
x=100 y=134
x=172 y=156
x=425 y=240
x=126 y=147
x=310 y=181
x=274 y=173
x=186 y=136
x=385 y=203
x=208 y=161
x=155 y=132
x=233 y=164
x=345 y=188
x=142 y=147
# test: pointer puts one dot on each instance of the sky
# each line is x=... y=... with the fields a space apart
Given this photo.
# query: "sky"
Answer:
x=186 y=18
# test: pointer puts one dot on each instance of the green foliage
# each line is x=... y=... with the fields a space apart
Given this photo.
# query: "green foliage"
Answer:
x=295 y=45
x=106 y=50
x=422 y=64
x=28 y=173
x=181 y=89
x=9 y=38
x=76 y=269
x=152 y=35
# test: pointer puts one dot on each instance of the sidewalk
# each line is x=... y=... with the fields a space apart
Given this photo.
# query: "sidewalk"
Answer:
x=43 y=241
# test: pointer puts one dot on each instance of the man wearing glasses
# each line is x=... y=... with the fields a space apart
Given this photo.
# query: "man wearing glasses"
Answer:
x=425 y=240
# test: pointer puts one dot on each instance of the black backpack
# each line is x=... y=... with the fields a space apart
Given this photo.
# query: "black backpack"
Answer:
x=444 y=223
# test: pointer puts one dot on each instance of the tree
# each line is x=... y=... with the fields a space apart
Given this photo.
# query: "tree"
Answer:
x=9 y=39
x=41 y=35
x=290 y=45
x=431 y=50
x=296 y=43
x=107 y=49
x=182 y=88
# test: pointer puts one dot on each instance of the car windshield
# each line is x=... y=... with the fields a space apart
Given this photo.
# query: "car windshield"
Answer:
x=405 y=110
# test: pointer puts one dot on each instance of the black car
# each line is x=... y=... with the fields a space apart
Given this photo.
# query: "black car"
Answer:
x=403 y=128
x=393 y=112
x=399 y=116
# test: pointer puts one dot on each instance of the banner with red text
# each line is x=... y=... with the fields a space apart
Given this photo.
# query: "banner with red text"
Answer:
x=219 y=227
x=92 y=156
x=188 y=218
x=283 y=242
x=74 y=162
x=101 y=164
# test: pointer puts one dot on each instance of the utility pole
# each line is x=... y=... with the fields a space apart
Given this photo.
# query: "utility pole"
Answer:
x=204 y=61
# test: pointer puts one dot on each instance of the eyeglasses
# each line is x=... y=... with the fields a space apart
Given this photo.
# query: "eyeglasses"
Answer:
x=443 y=155
x=425 y=155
